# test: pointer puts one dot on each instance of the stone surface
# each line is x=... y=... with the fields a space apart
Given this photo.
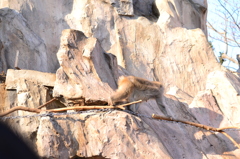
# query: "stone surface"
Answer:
x=218 y=105
x=30 y=89
x=180 y=95
x=225 y=88
x=106 y=135
x=162 y=40
x=123 y=7
x=86 y=72
x=16 y=35
x=126 y=37
x=190 y=14
x=41 y=78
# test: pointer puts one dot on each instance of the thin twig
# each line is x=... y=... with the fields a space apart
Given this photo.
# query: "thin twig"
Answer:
x=123 y=105
x=234 y=20
x=39 y=107
x=185 y=122
x=231 y=127
x=230 y=138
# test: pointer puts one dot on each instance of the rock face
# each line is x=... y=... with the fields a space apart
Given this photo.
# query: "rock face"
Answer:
x=30 y=89
x=86 y=72
x=162 y=40
x=101 y=135
x=16 y=35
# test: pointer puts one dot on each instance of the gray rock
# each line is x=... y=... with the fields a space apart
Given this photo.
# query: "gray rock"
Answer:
x=86 y=72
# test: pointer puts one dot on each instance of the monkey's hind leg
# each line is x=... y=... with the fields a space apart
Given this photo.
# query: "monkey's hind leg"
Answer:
x=161 y=105
x=134 y=107
x=163 y=109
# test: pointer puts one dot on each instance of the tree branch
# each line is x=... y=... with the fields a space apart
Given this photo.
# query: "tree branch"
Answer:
x=220 y=130
x=229 y=14
x=225 y=56
x=37 y=110
x=39 y=107
x=93 y=107
x=223 y=41
x=20 y=108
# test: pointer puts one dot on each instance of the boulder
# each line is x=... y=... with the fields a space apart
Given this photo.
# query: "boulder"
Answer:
x=86 y=72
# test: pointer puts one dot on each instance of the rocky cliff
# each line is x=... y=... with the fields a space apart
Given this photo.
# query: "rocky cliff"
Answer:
x=85 y=46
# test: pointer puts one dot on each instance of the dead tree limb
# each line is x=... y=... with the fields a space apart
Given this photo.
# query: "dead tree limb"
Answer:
x=123 y=105
x=230 y=138
x=82 y=108
x=220 y=130
x=93 y=107
x=19 y=108
x=39 y=107
x=225 y=56
x=37 y=110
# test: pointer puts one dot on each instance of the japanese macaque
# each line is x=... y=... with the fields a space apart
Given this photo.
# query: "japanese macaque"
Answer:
x=132 y=88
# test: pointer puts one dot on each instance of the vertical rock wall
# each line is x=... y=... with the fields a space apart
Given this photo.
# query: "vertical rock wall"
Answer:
x=162 y=40
x=150 y=38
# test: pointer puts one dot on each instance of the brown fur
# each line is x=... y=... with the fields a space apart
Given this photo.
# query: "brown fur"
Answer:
x=132 y=88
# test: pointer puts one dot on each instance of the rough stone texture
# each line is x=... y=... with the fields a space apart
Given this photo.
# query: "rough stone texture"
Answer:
x=15 y=34
x=189 y=14
x=218 y=105
x=108 y=135
x=180 y=95
x=30 y=89
x=190 y=139
x=189 y=59
x=162 y=40
x=86 y=72
x=123 y=7
x=183 y=141
x=133 y=38
x=41 y=78
x=225 y=88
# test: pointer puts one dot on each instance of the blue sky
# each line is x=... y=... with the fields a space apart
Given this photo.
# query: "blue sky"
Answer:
x=214 y=17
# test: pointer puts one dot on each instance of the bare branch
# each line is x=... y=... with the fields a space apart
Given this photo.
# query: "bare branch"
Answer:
x=226 y=26
x=211 y=27
x=225 y=56
x=229 y=14
x=39 y=107
x=19 y=108
x=220 y=130
x=223 y=41
x=37 y=110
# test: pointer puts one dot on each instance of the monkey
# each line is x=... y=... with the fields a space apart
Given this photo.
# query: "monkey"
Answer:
x=131 y=88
